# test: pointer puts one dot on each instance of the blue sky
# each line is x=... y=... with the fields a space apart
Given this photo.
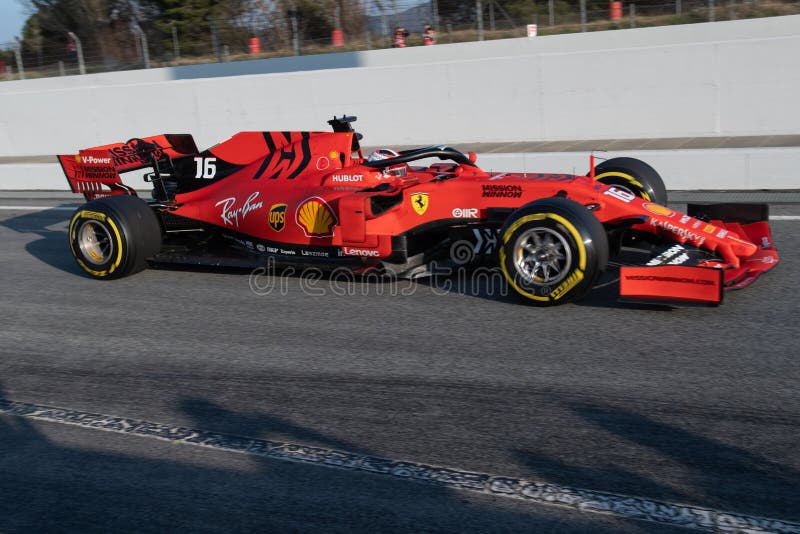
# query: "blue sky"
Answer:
x=12 y=18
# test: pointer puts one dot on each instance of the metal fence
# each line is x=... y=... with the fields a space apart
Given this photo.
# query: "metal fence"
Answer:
x=359 y=25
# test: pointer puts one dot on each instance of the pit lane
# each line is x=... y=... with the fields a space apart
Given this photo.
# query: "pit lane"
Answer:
x=685 y=407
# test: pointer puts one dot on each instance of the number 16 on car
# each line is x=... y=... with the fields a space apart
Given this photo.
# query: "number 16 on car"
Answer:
x=205 y=168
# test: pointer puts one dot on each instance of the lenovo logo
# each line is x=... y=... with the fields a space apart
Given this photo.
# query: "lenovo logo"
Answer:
x=347 y=251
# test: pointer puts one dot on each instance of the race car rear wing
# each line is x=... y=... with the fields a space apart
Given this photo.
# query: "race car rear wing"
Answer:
x=95 y=172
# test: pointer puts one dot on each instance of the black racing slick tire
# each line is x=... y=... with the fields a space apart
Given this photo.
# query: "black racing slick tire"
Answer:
x=634 y=176
x=112 y=237
x=552 y=251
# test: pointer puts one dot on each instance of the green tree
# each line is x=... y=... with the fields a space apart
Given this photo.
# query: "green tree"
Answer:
x=97 y=23
x=196 y=21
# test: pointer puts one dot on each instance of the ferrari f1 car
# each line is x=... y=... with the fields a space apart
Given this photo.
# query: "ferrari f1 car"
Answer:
x=312 y=199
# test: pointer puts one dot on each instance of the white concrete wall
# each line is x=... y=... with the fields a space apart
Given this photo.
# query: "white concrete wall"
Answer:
x=696 y=169
x=725 y=78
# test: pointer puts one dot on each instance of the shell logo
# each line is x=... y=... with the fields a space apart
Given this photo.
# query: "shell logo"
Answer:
x=316 y=218
x=658 y=209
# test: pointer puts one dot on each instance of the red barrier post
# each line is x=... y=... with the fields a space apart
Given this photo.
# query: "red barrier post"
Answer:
x=615 y=10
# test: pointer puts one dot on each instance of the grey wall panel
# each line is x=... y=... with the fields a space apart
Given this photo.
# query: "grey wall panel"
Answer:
x=727 y=78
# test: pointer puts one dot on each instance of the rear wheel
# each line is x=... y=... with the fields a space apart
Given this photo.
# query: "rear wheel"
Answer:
x=634 y=176
x=552 y=251
x=112 y=237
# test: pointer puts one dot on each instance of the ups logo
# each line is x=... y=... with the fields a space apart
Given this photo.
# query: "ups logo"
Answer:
x=277 y=217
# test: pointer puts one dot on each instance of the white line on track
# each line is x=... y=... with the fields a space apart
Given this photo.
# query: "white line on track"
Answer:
x=38 y=208
x=622 y=506
x=73 y=208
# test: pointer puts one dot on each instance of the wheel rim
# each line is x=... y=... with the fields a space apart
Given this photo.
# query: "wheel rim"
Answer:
x=95 y=242
x=542 y=256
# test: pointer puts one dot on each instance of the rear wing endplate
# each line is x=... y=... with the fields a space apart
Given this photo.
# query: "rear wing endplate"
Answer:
x=95 y=172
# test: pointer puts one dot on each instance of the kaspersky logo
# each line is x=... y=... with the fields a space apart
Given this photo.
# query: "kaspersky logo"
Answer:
x=277 y=217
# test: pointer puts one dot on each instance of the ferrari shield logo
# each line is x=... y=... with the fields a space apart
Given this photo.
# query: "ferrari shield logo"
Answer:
x=419 y=201
x=277 y=217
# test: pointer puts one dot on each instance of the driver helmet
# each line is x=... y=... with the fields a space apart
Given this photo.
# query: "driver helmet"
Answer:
x=400 y=169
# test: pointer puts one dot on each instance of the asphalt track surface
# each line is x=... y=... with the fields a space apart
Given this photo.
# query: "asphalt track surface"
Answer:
x=687 y=407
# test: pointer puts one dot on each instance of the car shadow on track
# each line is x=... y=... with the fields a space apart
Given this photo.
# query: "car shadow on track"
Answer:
x=489 y=284
x=63 y=478
x=484 y=283
x=52 y=246
x=605 y=294
x=695 y=469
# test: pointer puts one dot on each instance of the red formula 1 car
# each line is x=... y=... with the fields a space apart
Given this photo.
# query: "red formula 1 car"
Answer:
x=313 y=199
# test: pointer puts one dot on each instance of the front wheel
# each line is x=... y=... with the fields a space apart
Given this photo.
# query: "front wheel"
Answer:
x=634 y=176
x=552 y=251
x=112 y=237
